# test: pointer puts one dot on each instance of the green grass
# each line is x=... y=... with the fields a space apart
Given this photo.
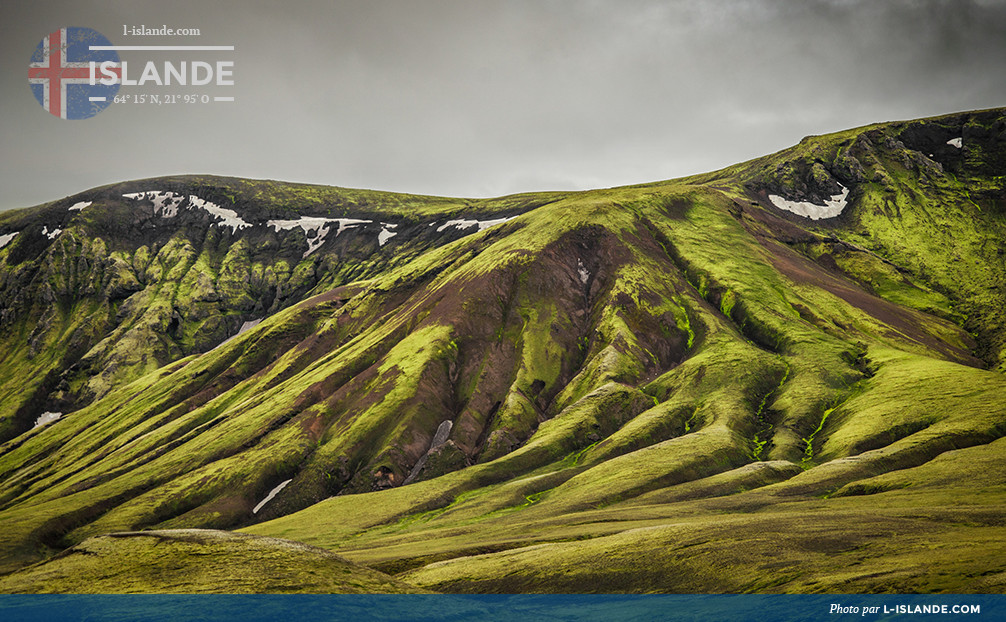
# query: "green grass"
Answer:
x=198 y=562
x=735 y=400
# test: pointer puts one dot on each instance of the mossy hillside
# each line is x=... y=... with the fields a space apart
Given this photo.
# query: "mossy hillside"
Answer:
x=745 y=530
x=201 y=481
x=198 y=561
x=800 y=549
x=722 y=273
x=281 y=440
x=542 y=505
x=856 y=360
x=172 y=287
x=980 y=466
x=924 y=205
x=932 y=242
x=805 y=522
x=960 y=401
x=913 y=193
x=146 y=419
x=40 y=344
x=851 y=335
x=884 y=279
x=91 y=288
x=733 y=514
x=645 y=357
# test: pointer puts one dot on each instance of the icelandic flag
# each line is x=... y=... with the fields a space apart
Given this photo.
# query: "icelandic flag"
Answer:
x=60 y=73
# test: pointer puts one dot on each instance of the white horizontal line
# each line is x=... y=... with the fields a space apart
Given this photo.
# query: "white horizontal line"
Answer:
x=223 y=99
x=163 y=48
x=96 y=99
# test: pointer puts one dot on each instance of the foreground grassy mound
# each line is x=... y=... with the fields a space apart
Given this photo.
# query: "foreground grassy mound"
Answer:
x=197 y=561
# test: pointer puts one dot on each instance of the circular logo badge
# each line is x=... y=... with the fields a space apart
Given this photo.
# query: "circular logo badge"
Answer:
x=60 y=73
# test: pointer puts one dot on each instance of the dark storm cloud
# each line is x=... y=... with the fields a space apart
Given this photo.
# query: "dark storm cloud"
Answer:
x=485 y=98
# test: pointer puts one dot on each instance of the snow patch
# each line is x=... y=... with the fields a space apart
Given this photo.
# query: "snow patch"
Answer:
x=272 y=493
x=439 y=438
x=247 y=326
x=51 y=234
x=582 y=271
x=166 y=204
x=76 y=207
x=386 y=235
x=956 y=142
x=485 y=224
x=321 y=227
x=229 y=217
x=46 y=418
x=468 y=224
x=460 y=224
x=158 y=198
x=349 y=223
x=831 y=208
x=6 y=238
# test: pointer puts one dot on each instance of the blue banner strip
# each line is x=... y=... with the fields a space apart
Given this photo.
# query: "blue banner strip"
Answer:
x=504 y=608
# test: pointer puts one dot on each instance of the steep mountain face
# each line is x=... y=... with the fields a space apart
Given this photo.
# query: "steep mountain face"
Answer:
x=102 y=288
x=811 y=340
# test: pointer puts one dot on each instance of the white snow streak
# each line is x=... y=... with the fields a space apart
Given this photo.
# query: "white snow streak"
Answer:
x=166 y=204
x=385 y=235
x=956 y=142
x=76 y=207
x=229 y=216
x=51 y=234
x=485 y=224
x=272 y=493
x=247 y=326
x=5 y=239
x=582 y=271
x=319 y=226
x=467 y=224
x=460 y=224
x=46 y=418
x=830 y=209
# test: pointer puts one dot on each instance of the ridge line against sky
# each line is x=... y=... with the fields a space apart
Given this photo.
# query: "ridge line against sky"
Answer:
x=476 y=99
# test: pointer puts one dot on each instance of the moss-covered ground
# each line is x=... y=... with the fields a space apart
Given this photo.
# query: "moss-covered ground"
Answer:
x=667 y=387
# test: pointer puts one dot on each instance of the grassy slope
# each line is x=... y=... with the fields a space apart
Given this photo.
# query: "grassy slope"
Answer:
x=676 y=363
x=906 y=409
x=196 y=561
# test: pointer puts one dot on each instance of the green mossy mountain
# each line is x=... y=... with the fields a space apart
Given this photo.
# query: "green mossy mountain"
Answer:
x=496 y=395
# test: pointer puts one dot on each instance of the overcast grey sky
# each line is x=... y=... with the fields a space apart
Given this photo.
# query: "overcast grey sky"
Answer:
x=469 y=98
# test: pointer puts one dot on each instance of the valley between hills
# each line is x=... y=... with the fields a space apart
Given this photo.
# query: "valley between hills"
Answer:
x=788 y=375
